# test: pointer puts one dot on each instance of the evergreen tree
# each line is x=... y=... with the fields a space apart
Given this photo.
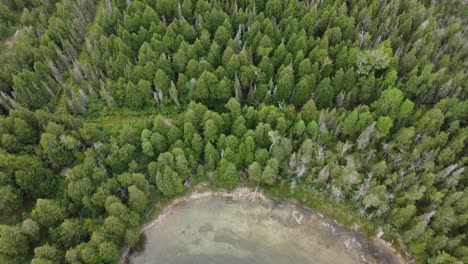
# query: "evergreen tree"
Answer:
x=285 y=85
x=227 y=175
x=325 y=94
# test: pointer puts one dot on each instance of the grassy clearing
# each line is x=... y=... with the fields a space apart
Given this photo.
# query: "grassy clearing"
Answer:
x=118 y=122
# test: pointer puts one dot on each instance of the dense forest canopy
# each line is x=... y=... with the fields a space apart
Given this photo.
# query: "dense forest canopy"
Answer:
x=110 y=106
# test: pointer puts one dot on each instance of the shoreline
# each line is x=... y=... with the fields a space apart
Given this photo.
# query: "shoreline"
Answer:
x=238 y=193
x=383 y=248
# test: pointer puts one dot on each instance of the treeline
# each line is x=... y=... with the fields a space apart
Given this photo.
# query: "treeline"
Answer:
x=9 y=15
x=362 y=102
x=275 y=52
x=91 y=187
x=34 y=71
x=339 y=53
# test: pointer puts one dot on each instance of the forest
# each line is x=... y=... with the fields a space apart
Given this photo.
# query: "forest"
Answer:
x=108 y=107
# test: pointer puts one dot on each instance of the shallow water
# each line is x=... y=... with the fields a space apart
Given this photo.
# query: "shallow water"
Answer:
x=219 y=230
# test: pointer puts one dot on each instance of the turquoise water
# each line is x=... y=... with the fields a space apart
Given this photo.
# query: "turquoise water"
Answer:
x=219 y=230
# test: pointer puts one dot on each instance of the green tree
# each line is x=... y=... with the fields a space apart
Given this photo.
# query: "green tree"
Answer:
x=255 y=171
x=221 y=36
x=227 y=175
x=147 y=148
x=325 y=93
x=384 y=124
x=58 y=146
x=405 y=109
x=159 y=143
x=79 y=189
x=305 y=68
x=349 y=125
x=265 y=47
x=273 y=9
x=431 y=122
x=442 y=258
x=211 y=156
x=223 y=91
x=285 y=85
x=173 y=134
x=47 y=213
x=167 y=8
x=108 y=252
x=299 y=129
x=72 y=232
x=389 y=103
x=312 y=129
x=169 y=182
x=444 y=219
x=114 y=228
x=261 y=135
x=197 y=145
x=303 y=90
x=376 y=199
x=267 y=68
x=138 y=96
x=269 y=175
x=402 y=216
x=234 y=108
x=238 y=127
x=14 y=245
x=210 y=131
x=47 y=254
x=309 y=111
x=120 y=158
x=162 y=81
x=180 y=59
x=192 y=70
x=137 y=200
x=30 y=229
x=24 y=132
x=187 y=9
x=10 y=198
x=205 y=83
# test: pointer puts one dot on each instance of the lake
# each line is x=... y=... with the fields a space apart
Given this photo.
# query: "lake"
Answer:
x=236 y=231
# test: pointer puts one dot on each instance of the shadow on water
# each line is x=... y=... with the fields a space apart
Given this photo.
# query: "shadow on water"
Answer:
x=140 y=247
